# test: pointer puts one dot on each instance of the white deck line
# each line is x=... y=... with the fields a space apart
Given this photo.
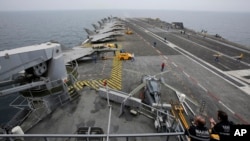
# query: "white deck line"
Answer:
x=226 y=107
x=202 y=87
x=186 y=74
x=174 y=64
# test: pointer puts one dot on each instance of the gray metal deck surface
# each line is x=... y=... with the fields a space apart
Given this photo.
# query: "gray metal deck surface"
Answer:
x=186 y=75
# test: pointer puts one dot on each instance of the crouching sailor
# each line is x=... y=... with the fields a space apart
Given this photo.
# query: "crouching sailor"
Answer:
x=198 y=131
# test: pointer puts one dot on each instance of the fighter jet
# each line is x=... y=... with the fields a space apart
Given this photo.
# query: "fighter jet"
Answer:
x=103 y=37
x=109 y=27
x=106 y=32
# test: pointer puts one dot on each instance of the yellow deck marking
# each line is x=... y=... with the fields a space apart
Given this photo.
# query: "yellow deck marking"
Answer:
x=115 y=80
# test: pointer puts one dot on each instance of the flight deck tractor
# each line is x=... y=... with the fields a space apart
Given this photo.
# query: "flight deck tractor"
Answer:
x=125 y=56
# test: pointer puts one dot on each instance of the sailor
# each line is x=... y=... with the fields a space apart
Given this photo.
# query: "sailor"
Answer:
x=165 y=39
x=122 y=51
x=223 y=127
x=217 y=55
x=154 y=44
x=162 y=66
x=105 y=83
x=133 y=57
x=198 y=131
x=94 y=57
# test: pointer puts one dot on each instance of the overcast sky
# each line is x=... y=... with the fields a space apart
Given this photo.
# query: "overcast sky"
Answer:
x=196 y=5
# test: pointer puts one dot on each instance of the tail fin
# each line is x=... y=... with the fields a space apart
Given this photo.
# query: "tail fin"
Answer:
x=89 y=31
x=95 y=26
x=100 y=23
x=104 y=20
x=109 y=19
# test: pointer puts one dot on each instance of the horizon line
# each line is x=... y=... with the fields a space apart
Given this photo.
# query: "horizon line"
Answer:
x=44 y=10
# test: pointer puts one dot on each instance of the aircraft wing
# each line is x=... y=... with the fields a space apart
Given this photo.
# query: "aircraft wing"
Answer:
x=102 y=37
x=109 y=27
x=76 y=53
x=107 y=30
x=106 y=49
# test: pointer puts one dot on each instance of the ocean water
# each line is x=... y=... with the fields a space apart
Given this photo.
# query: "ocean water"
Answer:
x=18 y=29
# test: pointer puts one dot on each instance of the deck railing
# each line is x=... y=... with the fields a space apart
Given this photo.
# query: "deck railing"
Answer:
x=68 y=137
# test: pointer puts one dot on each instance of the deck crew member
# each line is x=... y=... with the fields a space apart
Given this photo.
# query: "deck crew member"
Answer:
x=154 y=44
x=133 y=57
x=198 y=131
x=162 y=66
x=217 y=57
x=223 y=127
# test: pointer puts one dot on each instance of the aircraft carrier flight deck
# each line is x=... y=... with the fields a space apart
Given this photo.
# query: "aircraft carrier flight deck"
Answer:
x=211 y=71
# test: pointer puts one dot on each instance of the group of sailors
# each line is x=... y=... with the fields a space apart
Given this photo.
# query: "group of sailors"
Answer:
x=199 y=132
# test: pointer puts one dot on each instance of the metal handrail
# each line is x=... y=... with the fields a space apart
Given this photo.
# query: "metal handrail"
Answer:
x=91 y=135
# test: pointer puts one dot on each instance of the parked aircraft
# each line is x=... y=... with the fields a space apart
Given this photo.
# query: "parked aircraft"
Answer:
x=107 y=31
